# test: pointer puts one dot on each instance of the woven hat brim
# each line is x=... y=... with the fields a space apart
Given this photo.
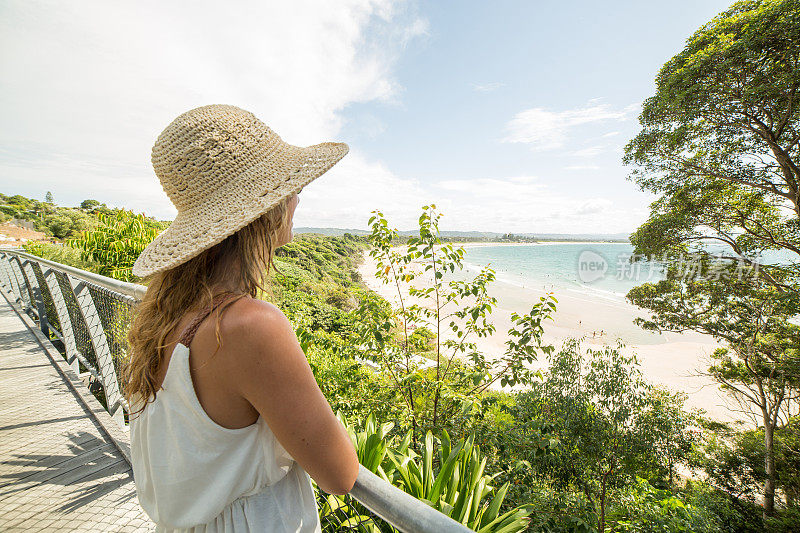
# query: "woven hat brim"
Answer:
x=233 y=207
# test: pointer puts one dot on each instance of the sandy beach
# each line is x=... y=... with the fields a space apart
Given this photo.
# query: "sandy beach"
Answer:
x=673 y=360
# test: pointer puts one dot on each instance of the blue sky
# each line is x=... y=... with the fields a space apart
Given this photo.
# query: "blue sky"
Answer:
x=510 y=116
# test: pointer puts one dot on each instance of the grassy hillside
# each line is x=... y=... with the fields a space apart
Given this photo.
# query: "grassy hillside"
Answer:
x=316 y=282
x=61 y=222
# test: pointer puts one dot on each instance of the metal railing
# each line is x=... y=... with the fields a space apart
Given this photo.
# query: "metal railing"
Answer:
x=87 y=316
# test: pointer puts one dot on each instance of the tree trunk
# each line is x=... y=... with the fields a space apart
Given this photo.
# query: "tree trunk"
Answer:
x=601 y=521
x=769 y=464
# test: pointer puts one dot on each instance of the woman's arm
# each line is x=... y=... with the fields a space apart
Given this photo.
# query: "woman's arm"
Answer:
x=276 y=379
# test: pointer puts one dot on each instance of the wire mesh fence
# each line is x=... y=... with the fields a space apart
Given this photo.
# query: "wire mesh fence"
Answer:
x=115 y=311
x=47 y=298
x=87 y=317
x=23 y=288
x=77 y=326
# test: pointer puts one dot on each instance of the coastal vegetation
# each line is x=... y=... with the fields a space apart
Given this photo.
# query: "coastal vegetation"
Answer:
x=460 y=307
x=56 y=221
x=587 y=445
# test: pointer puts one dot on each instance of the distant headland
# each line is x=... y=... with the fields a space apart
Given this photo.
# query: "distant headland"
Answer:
x=484 y=236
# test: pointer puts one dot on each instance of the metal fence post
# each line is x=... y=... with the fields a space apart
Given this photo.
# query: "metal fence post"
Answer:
x=97 y=335
x=22 y=284
x=15 y=283
x=26 y=286
x=5 y=280
x=67 y=331
x=33 y=282
x=40 y=310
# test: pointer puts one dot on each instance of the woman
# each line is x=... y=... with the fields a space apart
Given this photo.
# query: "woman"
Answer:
x=227 y=421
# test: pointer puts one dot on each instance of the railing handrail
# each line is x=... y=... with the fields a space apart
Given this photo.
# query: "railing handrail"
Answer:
x=134 y=290
x=398 y=508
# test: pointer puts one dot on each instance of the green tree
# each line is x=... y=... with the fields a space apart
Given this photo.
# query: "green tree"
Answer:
x=116 y=242
x=609 y=423
x=644 y=508
x=719 y=144
x=461 y=372
x=48 y=197
x=67 y=222
x=760 y=364
x=59 y=225
x=89 y=204
x=719 y=140
x=732 y=461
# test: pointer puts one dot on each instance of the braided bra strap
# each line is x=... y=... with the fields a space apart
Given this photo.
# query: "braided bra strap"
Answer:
x=191 y=329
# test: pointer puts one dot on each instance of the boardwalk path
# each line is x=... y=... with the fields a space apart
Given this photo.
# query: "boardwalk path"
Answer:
x=59 y=470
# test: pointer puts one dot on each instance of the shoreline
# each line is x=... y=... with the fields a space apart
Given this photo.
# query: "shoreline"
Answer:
x=470 y=244
x=672 y=360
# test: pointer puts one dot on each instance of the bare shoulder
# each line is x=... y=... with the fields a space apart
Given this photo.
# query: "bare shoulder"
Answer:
x=253 y=316
x=259 y=330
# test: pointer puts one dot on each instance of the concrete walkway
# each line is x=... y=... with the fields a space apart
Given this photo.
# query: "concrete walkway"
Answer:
x=59 y=469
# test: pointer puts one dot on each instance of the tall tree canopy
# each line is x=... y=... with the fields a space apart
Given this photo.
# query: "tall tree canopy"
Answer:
x=720 y=145
x=720 y=139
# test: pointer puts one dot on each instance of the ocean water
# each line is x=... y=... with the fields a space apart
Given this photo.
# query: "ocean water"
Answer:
x=601 y=269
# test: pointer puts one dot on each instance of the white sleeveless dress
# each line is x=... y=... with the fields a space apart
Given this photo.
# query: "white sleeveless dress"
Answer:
x=193 y=475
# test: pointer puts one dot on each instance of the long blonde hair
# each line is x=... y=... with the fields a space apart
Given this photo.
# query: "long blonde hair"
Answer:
x=172 y=293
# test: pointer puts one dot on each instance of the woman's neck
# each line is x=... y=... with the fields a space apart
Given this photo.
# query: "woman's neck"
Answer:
x=227 y=282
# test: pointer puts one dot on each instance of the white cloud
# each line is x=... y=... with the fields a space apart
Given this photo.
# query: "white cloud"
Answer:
x=589 y=152
x=368 y=124
x=502 y=188
x=523 y=179
x=595 y=205
x=517 y=204
x=546 y=130
x=634 y=109
x=346 y=195
x=87 y=87
x=581 y=167
x=610 y=134
x=487 y=87
x=417 y=28
x=522 y=204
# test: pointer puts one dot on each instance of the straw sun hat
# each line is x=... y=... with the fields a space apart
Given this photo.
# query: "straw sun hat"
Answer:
x=222 y=168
